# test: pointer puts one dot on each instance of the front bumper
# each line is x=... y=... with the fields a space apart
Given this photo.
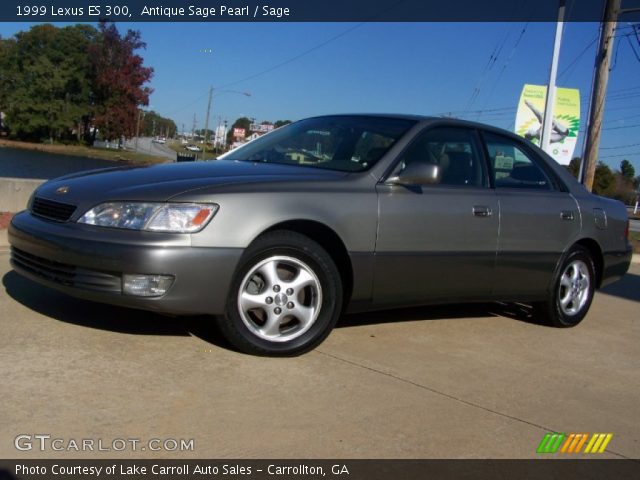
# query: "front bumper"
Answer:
x=88 y=262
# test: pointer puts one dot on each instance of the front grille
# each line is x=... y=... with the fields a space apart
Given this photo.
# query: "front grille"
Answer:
x=65 y=274
x=60 y=212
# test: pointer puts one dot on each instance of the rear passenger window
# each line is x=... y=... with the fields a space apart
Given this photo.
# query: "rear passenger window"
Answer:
x=512 y=167
x=454 y=150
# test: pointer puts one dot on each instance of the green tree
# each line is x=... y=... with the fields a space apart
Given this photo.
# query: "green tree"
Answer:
x=47 y=69
x=605 y=181
x=7 y=74
x=281 y=123
x=627 y=170
x=155 y=124
x=574 y=166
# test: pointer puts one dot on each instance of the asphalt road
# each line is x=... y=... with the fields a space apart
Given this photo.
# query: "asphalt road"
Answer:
x=455 y=381
x=634 y=225
x=146 y=145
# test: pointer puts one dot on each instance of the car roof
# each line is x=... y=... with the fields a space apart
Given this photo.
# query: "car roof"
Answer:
x=419 y=118
x=401 y=116
x=425 y=120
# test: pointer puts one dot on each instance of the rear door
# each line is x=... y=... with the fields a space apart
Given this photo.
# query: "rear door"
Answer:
x=438 y=241
x=538 y=219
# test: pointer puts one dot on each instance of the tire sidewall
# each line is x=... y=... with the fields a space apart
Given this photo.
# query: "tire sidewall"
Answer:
x=321 y=264
x=558 y=316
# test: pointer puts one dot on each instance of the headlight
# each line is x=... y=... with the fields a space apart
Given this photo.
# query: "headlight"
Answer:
x=155 y=217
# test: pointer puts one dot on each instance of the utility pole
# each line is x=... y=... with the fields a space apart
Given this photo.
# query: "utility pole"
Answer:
x=603 y=58
x=193 y=130
x=224 y=138
x=206 y=122
x=547 y=120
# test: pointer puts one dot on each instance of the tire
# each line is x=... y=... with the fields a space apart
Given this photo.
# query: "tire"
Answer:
x=572 y=291
x=285 y=298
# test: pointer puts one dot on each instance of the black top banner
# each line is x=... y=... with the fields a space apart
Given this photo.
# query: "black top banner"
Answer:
x=309 y=10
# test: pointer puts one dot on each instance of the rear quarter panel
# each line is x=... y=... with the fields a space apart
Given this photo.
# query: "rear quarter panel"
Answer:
x=605 y=220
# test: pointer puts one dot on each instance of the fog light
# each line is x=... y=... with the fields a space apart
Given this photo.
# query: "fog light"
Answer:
x=146 y=285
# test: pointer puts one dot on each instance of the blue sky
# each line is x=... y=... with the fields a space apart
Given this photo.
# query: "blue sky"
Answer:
x=381 y=67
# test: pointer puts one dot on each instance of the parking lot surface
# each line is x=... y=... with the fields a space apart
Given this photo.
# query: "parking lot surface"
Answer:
x=453 y=381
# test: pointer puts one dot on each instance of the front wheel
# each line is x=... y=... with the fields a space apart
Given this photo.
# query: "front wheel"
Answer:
x=572 y=291
x=286 y=296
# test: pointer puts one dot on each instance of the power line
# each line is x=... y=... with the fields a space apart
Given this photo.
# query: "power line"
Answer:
x=628 y=154
x=633 y=48
x=504 y=67
x=620 y=128
x=294 y=58
x=620 y=146
x=189 y=104
x=274 y=67
x=578 y=57
x=616 y=128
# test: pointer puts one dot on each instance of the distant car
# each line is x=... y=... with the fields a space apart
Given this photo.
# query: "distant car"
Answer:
x=392 y=211
x=162 y=140
x=193 y=148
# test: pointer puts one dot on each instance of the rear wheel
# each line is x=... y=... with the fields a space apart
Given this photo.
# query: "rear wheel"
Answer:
x=286 y=296
x=572 y=292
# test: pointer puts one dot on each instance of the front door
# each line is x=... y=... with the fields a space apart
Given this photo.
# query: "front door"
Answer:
x=438 y=242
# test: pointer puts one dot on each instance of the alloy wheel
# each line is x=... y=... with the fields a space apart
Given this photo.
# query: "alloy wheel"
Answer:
x=279 y=298
x=574 y=288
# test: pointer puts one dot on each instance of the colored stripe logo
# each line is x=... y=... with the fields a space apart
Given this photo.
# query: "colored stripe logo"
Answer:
x=574 y=443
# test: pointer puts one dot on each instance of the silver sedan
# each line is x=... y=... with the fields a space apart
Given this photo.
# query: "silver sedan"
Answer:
x=330 y=214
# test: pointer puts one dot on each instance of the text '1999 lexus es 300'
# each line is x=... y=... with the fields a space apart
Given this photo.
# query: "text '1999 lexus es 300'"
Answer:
x=329 y=214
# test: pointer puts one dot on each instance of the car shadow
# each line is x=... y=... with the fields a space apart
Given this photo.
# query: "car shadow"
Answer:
x=56 y=305
x=61 y=307
x=628 y=288
x=68 y=309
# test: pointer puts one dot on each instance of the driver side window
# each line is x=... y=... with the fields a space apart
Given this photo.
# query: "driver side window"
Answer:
x=454 y=150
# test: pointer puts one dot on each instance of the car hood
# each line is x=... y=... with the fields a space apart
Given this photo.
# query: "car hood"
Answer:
x=162 y=182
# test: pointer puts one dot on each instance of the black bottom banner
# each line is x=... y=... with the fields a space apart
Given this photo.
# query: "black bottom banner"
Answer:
x=317 y=469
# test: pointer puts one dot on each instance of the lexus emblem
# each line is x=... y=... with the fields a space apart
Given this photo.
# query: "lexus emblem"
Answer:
x=62 y=190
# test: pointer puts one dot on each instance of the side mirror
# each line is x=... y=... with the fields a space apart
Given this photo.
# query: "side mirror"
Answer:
x=417 y=173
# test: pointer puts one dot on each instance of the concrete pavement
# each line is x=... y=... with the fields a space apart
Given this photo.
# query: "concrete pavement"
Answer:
x=435 y=382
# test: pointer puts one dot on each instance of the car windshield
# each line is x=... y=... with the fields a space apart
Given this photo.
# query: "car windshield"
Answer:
x=345 y=143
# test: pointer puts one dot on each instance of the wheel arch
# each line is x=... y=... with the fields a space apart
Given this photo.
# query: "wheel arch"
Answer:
x=330 y=241
x=596 y=254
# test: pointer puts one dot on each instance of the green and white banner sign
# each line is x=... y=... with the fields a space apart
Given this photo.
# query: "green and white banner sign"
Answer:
x=566 y=119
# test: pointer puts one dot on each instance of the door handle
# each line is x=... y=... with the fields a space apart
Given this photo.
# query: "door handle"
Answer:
x=482 y=211
x=566 y=215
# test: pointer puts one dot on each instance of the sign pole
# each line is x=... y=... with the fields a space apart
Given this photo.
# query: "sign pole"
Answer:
x=547 y=122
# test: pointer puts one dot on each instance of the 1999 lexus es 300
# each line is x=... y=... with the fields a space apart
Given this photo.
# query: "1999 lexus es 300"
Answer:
x=328 y=214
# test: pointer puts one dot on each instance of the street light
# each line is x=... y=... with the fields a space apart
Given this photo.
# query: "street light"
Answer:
x=206 y=122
